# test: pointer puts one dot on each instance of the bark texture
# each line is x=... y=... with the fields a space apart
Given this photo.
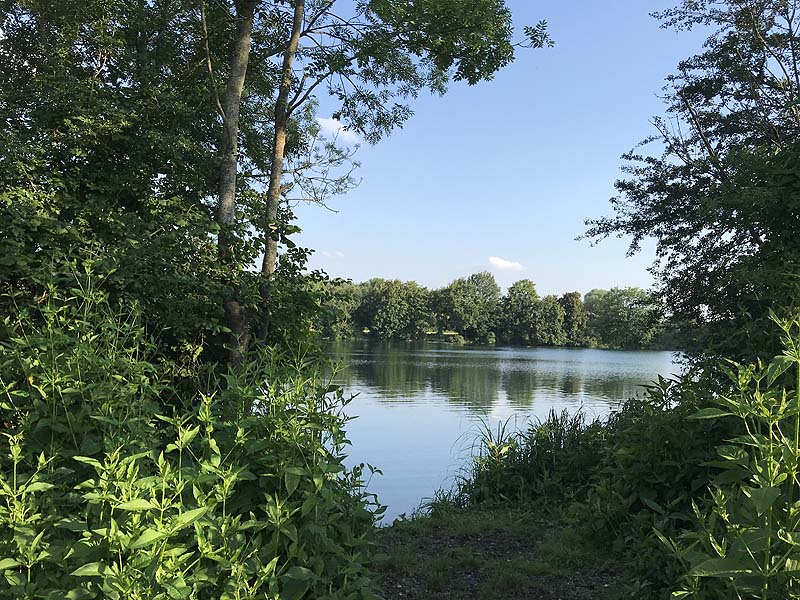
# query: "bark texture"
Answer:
x=235 y=314
x=282 y=114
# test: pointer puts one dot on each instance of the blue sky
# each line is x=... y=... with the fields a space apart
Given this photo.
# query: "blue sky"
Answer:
x=511 y=168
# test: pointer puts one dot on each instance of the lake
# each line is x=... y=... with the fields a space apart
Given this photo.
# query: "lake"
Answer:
x=419 y=406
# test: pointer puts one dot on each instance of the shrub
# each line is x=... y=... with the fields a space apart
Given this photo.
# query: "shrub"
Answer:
x=119 y=479
x=744 y=543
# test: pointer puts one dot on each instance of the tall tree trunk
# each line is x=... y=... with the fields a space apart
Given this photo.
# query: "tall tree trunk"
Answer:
x=235 y=315
x=282 y=113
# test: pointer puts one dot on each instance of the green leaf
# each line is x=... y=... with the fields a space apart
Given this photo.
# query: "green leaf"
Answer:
x=296 y=583
x=270 y=568
x=148 y=536
x=136 y=504
x=763 y=498
x=9 y=563
x=653 y=505
x=292 y=480
x=95 y=569
x=709 y=413
x=89 y=461
x=38 y=486
x=777 y=367
x=722 y=567
x=189 y=517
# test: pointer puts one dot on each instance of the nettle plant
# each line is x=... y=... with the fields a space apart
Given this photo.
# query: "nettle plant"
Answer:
x=746 y=541
x=111 y=486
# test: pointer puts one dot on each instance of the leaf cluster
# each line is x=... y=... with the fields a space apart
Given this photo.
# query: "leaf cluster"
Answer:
x=119 y=479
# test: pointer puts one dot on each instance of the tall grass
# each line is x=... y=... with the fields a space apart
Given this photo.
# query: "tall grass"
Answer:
x=540 y=462
x=617 y=480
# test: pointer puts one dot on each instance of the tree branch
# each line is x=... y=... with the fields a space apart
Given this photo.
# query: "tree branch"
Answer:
x=209 y=66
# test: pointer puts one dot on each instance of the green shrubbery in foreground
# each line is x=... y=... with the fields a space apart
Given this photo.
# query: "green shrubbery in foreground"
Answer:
x=696 y=482
x=129 y=478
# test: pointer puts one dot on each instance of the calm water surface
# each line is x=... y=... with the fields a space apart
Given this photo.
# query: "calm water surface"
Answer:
x=420 y=405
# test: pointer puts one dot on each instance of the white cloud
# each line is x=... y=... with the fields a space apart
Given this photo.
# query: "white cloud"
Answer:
x=334 y=128
x=334 y=254
x=505 y=265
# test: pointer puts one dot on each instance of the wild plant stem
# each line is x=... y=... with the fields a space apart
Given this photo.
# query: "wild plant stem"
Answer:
x=796 y=433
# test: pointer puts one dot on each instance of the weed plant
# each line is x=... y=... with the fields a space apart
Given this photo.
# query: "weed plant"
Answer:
x=745 y=542
x=120 y=480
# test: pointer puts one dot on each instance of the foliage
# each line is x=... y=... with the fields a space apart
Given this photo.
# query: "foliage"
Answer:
x=744 y=542
x=393 y=309
x=720 y=200
x=575 y=318
x=622 y=318
x=472 y=308
x=616 y=481
x=550 y=322
x=518 y=314
x=238 y=491
x=538 y=463
x=336 y=320
x=471 y=305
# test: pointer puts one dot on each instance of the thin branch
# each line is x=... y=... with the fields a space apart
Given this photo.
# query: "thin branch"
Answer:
x=298 y=100
x=771 y=51
x=322 y=11
x=698 y=126
x=209 y=66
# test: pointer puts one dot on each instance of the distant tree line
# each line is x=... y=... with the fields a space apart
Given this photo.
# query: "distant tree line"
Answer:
x=474 y=310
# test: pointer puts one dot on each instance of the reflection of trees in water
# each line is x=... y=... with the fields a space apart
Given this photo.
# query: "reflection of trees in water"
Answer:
x=470 y=384
x=520 y=387
x=470 y=379
x=393 y=369
x=571 y=384
x=615 y=388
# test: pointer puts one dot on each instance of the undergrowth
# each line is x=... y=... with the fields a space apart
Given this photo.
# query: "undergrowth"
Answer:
x=121 y=478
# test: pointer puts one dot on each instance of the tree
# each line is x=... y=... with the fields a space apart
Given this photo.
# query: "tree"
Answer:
x=372 y=57
x=519 y=309
x=107 y=158
x=392 y=309
x=474 y=304
x=721 y=198
x=340 y=303
x=574 y=318
x=550 y=322
x=622 y=318
x=135 y=137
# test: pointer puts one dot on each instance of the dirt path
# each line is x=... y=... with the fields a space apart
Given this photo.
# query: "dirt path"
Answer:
x=491 y=556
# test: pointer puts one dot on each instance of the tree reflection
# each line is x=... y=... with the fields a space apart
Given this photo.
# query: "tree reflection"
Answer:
x=474 y=377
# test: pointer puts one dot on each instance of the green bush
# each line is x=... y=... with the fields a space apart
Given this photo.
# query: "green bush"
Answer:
x=745 y=543
x=126 y=478
x=654 y=465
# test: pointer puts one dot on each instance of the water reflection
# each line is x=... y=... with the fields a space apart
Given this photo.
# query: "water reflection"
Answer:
x=418 y=404
x=474 y=377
